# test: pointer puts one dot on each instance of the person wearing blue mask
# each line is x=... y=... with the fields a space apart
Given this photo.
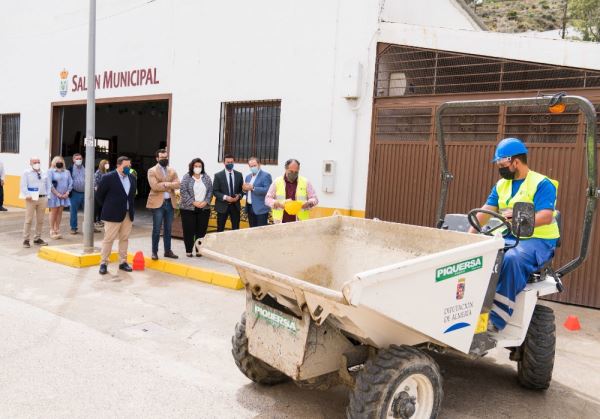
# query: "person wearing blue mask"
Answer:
x=518 y=183
x=227 y=189
x=256 y=188
x=116 y=195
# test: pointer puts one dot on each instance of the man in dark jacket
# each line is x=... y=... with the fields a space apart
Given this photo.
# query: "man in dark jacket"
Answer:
x=116 y=195
x=227 y=189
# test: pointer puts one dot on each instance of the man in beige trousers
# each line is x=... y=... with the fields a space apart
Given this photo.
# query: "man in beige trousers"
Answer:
x=34 y=190
x=116 y=195
x=162 y=202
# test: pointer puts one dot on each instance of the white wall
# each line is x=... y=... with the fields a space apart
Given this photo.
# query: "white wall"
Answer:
x=208 y=52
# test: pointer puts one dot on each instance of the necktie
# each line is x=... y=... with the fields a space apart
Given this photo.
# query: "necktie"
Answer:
x=230 y=185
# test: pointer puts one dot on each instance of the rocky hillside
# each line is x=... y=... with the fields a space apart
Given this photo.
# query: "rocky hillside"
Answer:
x=520 y=15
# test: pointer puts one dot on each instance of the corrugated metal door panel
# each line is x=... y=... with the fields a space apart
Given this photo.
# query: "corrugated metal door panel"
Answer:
x=404 y=180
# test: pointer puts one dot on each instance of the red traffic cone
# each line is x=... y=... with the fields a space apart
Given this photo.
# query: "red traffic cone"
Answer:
x=138 y=261
x=572 y=323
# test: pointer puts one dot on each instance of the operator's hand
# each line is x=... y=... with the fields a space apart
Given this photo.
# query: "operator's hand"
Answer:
x=306 y=205
x=277 y=205
x=507 y=213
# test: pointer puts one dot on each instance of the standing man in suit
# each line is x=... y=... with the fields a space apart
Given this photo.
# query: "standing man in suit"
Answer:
x=227 y=189
x=163 y=182
x=256 y=188
x=116 y=195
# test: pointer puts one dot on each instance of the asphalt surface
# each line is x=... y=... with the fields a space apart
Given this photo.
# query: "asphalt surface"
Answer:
x=151 y=345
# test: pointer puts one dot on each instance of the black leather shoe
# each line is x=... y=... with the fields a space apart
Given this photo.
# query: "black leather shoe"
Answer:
x=3 y=209
x=125 y=267
x=103 y=269
x=154 y=256
x=171 y=255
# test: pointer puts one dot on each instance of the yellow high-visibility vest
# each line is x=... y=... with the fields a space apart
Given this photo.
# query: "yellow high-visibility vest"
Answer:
x=526 y=193
x=301 y=195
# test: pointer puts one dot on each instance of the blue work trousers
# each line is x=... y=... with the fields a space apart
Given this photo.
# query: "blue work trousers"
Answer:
x=162 y=216
x=518 y=264
x=76 y=204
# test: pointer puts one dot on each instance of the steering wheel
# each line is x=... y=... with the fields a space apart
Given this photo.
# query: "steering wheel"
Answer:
x=474 y=221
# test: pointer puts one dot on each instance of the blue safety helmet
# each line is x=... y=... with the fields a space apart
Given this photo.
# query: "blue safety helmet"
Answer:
x=509 y=147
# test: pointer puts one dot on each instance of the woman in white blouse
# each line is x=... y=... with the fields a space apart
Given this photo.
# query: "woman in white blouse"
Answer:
x=194 y=206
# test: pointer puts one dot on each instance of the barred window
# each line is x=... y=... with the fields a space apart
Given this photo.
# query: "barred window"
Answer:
x=250 y=129
x=10 y=133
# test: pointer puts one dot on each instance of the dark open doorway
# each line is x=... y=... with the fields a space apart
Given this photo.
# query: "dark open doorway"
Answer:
x=134 y=127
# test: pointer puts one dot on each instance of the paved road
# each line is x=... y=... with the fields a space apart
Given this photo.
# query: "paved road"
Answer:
x=151 y=345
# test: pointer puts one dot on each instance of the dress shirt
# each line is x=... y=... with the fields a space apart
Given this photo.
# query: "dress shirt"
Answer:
x=126 y=185
x=31 y=182
x=166 y=195
x=249 y=193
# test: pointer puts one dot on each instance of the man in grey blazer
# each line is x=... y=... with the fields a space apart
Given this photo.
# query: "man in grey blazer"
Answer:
x=256 y=187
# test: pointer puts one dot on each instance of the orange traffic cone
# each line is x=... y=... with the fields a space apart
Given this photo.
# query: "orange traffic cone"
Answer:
x=138 y=261
x=572 y=323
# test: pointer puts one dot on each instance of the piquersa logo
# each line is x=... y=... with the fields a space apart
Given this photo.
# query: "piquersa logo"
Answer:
x=460 y=268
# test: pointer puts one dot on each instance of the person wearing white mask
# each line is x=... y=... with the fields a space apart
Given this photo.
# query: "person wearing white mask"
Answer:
x=194 y=206
x=78 y=191
x=34 y=192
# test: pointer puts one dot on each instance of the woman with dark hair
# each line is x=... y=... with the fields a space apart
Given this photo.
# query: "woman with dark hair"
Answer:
x=103 y=168
x=196 y=194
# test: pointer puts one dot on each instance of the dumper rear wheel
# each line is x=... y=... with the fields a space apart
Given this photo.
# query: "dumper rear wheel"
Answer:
x=258 y=371
x=536 y=354
x=400 y=382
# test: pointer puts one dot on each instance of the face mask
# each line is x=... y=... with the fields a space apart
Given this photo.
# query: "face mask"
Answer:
x=127 y=170
x=106 y=166
x=292 y=176
x=36 y=166
x=197 y=170
x=229 y=166
x=59 y=165
x=254 y=170
x=163 y=162
x=78 y=162
x=506 y=173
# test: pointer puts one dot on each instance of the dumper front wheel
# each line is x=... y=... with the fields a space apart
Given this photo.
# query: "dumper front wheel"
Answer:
x=400 y=382
x=253 y=368
x=536 y=354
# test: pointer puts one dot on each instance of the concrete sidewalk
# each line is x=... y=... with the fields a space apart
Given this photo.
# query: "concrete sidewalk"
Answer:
x=11 y=223
x=152 y=345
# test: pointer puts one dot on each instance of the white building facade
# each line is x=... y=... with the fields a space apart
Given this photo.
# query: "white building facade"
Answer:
x=316 y=58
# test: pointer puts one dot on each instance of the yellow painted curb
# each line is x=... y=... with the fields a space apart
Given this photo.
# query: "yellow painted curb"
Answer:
x=227 y=281
x=192 y=272
x=75 y=260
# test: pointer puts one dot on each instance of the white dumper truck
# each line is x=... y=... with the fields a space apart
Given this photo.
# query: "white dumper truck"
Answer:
x=361 y=302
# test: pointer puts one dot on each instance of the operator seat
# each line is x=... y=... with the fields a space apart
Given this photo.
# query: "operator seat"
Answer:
x=546 y=269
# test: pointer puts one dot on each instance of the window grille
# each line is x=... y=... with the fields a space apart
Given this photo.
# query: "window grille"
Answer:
x=250 y=129
x=10 y=133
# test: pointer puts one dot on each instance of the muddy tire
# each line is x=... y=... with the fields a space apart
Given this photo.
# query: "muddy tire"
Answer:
x=400 y=382
x=536 y=358
x=253 y=368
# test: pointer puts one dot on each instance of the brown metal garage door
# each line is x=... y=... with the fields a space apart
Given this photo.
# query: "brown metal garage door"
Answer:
x=404 y=173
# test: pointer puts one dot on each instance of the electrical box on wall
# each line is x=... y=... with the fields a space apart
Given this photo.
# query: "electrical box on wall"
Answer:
x=351 y=80
x=328 y=175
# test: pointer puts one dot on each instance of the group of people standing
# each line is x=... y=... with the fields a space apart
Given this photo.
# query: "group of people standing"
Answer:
x=115 y=193
x=58 y=188
x=228 y=187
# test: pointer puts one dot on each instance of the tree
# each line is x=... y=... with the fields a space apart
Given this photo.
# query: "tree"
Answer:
x=586 y=14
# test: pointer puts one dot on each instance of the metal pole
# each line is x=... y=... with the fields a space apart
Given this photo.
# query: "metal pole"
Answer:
x=90 y=134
